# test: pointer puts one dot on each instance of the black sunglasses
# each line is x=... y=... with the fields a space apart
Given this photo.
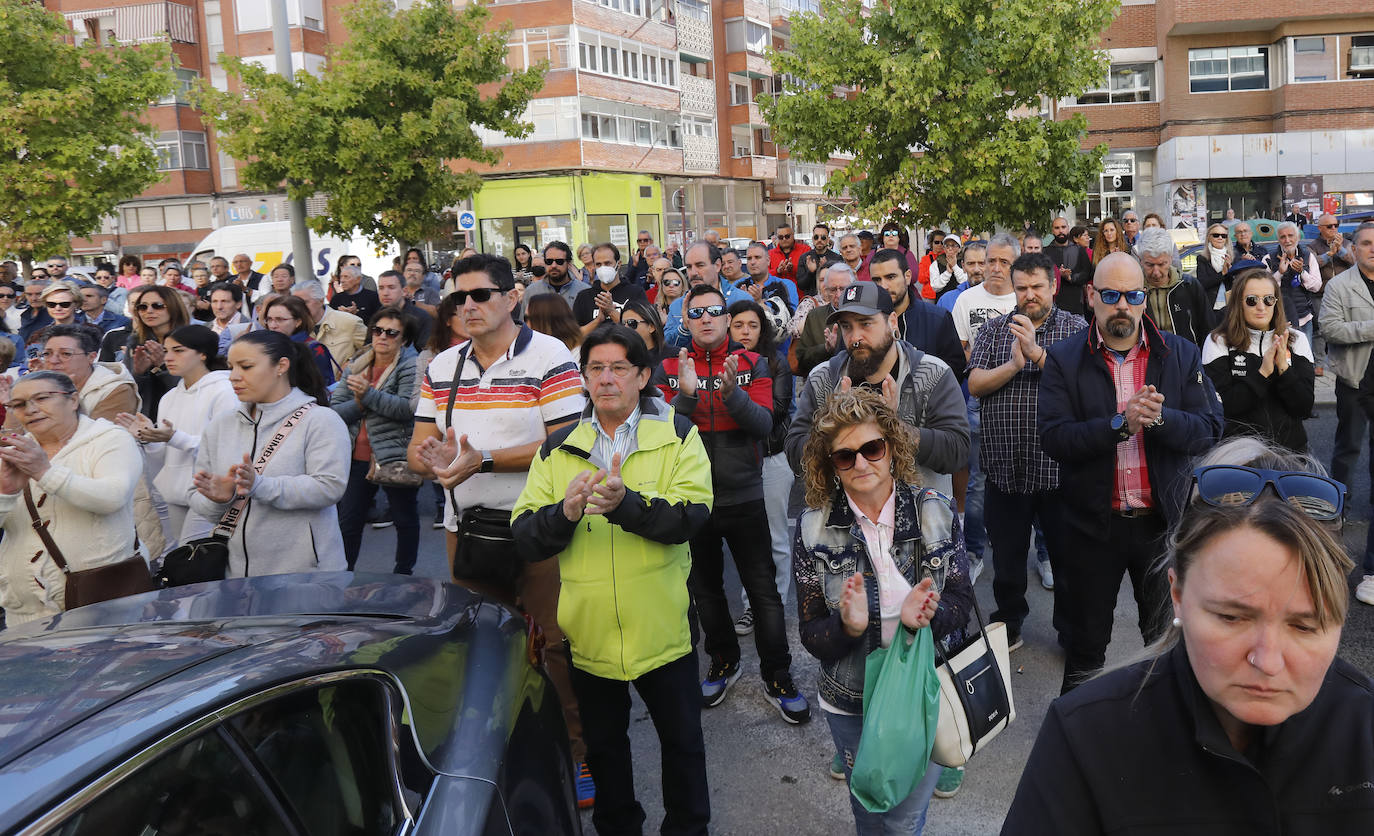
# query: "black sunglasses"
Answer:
x=871 y=450
x=709 y=310
x=480 y=295
x=560 y=261
x=150 y=306
x=1318 y=497
x=1217 y=235
x=672 y=282
x=8 y=295
x=390 y=332
x=59 y=304
x=630 y=323
x=1268 y=299
x=1111 y=297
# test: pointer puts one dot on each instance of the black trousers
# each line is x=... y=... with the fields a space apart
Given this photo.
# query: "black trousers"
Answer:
x=1009 y=519
x=745 y=528
x=1353 y=430
x=674 y=701
x=1093 y=566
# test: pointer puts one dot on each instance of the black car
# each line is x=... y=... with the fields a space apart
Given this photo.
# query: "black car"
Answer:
x=323 y=703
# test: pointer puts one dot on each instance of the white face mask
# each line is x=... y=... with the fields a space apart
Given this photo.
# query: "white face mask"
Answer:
x=605 y=274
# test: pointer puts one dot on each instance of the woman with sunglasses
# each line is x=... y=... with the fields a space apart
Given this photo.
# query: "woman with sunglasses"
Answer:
x=1240 y=719
x=869 y=522
x=377 y=402
x=643 y=318
x=1215 y=261
x=158 y=311
x=290 y=316
x=671 y=286
x=130 y=268
x=1262 y=369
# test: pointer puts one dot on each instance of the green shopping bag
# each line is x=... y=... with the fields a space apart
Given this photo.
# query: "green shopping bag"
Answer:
x=901 y=708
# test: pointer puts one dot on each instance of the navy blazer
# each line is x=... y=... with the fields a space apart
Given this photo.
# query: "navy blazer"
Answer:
x=1078 y=400
x=931 y=329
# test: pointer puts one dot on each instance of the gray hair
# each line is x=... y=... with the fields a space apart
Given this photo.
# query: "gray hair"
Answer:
x=310 y=286
x=839 y=268
x=1006 y=239
x=1289 y=225
x=1253 y=451
x=847 y=236
x=1154 y=242
x=351 y=269
x=976 y=245
x=58 y=379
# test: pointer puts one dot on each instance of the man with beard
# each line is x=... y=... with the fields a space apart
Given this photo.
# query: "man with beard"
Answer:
x=1074 y=268
x=921 y=387
x=558 y=259
x=820 y=245
x=786 y=256
x=918 y=322
x=1022 y=483
x=1124 y=407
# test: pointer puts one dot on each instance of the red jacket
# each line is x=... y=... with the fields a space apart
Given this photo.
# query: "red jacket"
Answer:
x=785 y=266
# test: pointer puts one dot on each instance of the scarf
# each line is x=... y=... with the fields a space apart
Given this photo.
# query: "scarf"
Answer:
x=1218 y=256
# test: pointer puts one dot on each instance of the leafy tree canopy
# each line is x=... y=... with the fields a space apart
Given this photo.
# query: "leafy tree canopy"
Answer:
x=959 y=80
x=377 y=132
x=72 y=145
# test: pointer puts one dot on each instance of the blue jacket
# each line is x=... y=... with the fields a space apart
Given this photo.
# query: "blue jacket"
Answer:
x=1078 y=400
x=931 y=329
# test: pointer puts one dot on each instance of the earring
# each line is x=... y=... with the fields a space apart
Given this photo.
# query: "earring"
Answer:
x=1178 y=622
x=1251 y=660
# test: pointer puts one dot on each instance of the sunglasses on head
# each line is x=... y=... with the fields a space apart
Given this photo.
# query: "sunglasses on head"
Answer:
x=1111 y=297
x=390 y=332
x=59 y=304
x=872 y=450
x=150 y=306
x=709 y=310
x=1253 y=301
x=559 y=261
x=1318 y=497
x=480 y=295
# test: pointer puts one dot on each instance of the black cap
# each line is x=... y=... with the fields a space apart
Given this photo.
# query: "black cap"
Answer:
x=862 y=298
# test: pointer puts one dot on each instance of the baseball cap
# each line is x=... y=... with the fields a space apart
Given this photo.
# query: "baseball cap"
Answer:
x=954 y=238
x=862 y=298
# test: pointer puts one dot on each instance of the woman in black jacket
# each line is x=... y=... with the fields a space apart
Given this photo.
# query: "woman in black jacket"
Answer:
x=1242 y=720
x=1214 y=262
x=1262 y=368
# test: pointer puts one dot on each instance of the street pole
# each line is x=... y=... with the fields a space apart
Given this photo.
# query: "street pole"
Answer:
x=300 y=233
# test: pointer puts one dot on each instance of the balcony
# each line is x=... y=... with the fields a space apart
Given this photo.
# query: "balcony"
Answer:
x=747 y=113
x=781 y=10
x=754 y=168
x=700 y=155
x=1362 y=60
x=698 y=95
x=797 y=178
x=141 y=23
x=748 y=64
x=694 y=41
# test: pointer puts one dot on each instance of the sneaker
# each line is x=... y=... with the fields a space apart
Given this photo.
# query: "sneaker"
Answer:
x=1014 y=640
x=586 y=788
x=975 y=568
x=719 y=677
x=951 y=779
x=837 y=767
x=1046 y=574
x=439 y=518
x=745 y=625
x=1365 y=591
x=381 y=519
x=791 y=704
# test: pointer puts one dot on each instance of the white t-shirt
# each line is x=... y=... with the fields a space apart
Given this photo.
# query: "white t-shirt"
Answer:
x=976 y=307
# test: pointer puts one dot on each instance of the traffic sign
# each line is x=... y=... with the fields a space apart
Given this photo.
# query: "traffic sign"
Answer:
x=467 y=221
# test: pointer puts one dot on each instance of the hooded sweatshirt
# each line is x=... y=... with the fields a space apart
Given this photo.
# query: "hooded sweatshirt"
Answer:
x=289 y=523
x=109 y=391
x=87 y=497
x=189 y=411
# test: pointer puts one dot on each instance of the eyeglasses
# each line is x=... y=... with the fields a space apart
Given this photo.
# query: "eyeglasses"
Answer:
x=672 y=282
x=891 y=233
x=643 y=240
x=390 y=332
x=558 y=261
x=1253 y=301
x=631 y=323
x=64 y=354
x=480 y=295
x=150 y=306
x=709 y=310
x=817 y=237
x=871 y=450
x=56 y=265
x=1326 y=226
x=1217 y=235
x=620 y=370
x=279 y=320
x=63 y=305
x=1318 y=497
x=39 y=399
x=1111 y=297
x=8 y=295
x=38 y=275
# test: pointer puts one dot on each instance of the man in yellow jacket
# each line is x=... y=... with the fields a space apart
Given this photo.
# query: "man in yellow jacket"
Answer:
x=616 y=497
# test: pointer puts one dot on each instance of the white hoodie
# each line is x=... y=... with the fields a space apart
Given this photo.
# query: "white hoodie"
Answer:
x=189 y=411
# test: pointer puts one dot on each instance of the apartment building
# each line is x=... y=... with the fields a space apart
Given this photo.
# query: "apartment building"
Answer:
x=1249 y=105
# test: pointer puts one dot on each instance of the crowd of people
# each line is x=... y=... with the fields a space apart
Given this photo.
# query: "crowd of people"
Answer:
x=601 y=428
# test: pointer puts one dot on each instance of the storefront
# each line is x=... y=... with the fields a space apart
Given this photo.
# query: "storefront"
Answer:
x=733 y=208
x=576 y=208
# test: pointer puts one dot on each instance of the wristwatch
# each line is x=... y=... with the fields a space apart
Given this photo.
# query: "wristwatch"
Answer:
x=1120 y=427
x=488 y=464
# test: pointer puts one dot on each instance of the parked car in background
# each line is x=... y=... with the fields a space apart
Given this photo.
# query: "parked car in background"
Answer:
x=325 y=703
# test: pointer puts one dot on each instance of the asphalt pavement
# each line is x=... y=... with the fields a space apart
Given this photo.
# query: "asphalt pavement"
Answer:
x=769 y=777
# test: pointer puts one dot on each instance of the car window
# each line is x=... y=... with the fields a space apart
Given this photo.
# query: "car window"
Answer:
x=328 y=750
x=200 y=788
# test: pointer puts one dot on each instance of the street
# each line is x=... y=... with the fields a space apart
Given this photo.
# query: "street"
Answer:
x=771 y=778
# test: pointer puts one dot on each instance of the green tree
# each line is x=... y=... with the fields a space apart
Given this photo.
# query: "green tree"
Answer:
x=72 y=145
x=379 y=132
x=959 y=80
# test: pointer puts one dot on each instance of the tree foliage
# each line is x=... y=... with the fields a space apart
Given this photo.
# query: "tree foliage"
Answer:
x=960 y=80
x=377 y=132
x=72 y=145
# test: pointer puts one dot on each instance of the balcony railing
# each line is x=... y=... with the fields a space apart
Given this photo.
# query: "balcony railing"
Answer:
x=1361 y=58
x=141 y=23
x=754 y=167
x=700 y=154
x=698 y=95
x=694 y=37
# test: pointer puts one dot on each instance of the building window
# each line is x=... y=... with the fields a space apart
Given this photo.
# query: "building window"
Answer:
x=553 y=119
x=181 y=93
x=599 y=53
x=181 y=150
x=1125 y=83
x=1228 y=68
x=528 y=47
x=743 y=35
x=1310 y=60
x=628 y=124
x=651 y=9
x=1361 y=56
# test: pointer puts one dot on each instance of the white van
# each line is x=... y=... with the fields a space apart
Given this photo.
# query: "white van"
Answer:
x=269 y=244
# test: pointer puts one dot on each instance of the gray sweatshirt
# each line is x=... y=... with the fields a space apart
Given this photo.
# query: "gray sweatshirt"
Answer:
x=290 y=523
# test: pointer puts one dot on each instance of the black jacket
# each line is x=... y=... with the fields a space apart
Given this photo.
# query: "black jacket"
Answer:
x=931 y=329
x=1273 y=407
x=1069 y=296
x=1190 y=308
x=1136 y=754
x=1078 y=400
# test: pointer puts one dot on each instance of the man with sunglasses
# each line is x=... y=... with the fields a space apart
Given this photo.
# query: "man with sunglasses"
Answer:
x=728 y=393
x=1123 y=408
x=1335 y=254
x=558 y=258
x=1175 y=302
x=703 y=262
x=820 y=246
x=57 y=267
x=783 y=260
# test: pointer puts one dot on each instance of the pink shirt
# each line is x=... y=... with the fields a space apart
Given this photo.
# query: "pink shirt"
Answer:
x=892 y=585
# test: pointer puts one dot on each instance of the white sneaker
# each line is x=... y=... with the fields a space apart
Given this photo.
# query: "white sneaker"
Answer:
x=1365 y=591
x=975 y=568
x=1046 y=575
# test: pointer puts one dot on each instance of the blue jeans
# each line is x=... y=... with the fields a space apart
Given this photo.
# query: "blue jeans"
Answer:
x=907 y=818
x=975 y=535
x=353 y=507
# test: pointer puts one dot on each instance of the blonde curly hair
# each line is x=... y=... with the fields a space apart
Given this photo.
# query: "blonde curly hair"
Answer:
x=843 y=410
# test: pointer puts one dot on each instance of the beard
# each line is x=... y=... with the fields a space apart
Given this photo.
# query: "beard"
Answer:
x=1061 y=239
x=1121 y=325
x=865 y=359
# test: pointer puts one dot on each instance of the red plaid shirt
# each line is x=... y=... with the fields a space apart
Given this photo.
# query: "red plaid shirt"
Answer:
x=1132 y=475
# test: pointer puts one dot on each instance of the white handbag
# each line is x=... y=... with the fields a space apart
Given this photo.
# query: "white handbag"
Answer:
x=975 y=694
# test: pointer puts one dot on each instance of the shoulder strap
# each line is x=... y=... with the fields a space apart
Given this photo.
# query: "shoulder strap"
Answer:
x=41 y=528
x=453 y=385
x=227 y=523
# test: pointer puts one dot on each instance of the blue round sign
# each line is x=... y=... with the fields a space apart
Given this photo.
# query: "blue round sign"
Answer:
x=467 y=220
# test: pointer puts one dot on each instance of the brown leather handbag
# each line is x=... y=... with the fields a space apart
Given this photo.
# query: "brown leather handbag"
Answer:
x=91 y=586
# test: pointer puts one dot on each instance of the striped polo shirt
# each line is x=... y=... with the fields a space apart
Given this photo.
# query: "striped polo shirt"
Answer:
x=533 y=386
